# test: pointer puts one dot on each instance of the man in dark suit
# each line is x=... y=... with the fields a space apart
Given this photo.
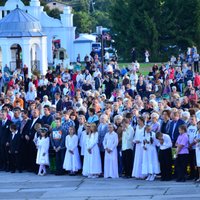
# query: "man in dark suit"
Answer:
x=14 y=148
x=30 y=136
x=58 y=102
x=174 y=127
x=4 y=138
x=24 y=130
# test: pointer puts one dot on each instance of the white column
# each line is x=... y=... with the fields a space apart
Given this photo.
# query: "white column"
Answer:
x=6 y=55
x=67 y=17
x=26 y=57
x=50 y=50
x=43 y=58
x=33 y=52
x=0 y=14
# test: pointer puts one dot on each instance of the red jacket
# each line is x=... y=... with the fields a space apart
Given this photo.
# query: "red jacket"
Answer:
x=193 y=98
x=196 y=80
x=171 y=73
x=35 y=82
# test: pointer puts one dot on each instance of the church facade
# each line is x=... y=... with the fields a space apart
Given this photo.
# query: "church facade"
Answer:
x=34 y=47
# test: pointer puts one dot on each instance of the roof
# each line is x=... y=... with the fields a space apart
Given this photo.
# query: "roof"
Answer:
x=83 y=38
x=18 y=23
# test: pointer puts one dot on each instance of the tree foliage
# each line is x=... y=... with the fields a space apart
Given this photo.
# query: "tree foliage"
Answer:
x=155 y=25
x=161 y=26
x=83 y=22
x=55 y=13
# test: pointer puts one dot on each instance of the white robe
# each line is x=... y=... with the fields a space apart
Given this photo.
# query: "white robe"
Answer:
x=137 y=166
x=110 y=161
x=150 y=163
x=82 y=142
x=92 y=162
x=72 y=161
x=42 y=151
x=197 y=150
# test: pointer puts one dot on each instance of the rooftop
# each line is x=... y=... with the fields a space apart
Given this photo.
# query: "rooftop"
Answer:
x=18 y=23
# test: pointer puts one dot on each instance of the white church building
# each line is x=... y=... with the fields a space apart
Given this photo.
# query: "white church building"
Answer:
x=27 y=35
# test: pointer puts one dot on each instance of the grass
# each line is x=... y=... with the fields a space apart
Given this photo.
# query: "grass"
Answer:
x=145 y=68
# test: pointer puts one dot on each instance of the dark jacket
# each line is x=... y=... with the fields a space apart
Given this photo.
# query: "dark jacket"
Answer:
x=26 y=128
x=174 y=135
x=5 y=132
x=14 y=143
x=47 y=119
x=32 y=130
x=165 y=129
x=59 y=105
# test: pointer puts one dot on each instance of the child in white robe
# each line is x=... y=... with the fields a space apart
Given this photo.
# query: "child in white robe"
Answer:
x=84 y=150
x=42 y=144
x=72 y=161
x=110 y=143
x=150 y=163
x=92 y=159
x=138 y=140
x=197 y=150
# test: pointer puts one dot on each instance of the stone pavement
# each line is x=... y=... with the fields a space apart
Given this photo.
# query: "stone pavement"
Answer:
x=30 y=186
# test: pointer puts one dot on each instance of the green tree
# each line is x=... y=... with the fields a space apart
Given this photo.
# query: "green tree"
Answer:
x=83 y=22
x=137 y=27
x=100 y=18
x=80 y=5
x=55 y=13
x=197 y=23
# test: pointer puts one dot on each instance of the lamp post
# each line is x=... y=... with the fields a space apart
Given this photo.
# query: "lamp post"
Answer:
x=100 y=33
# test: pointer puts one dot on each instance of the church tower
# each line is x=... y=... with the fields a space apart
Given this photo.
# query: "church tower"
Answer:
x=35 y=9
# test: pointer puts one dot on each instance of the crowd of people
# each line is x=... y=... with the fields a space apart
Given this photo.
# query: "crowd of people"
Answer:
x=117 y=124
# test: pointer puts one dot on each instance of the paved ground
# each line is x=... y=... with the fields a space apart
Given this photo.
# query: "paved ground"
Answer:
x=30 y=186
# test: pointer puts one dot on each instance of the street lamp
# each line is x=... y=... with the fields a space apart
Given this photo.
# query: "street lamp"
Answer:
x=100 y=33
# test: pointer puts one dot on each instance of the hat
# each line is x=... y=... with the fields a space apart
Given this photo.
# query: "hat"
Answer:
x=53 y=106
x=45 y=96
